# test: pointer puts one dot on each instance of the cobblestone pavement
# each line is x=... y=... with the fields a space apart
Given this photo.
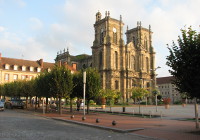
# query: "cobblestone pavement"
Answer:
x=175 y=111
x=161 y=128
x=20 y=124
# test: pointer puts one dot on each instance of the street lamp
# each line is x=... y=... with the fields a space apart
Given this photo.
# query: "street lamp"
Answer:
x=155 y=86
x=84 y=82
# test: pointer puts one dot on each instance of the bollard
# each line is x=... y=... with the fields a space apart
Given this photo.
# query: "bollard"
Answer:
x=97 y=120
x=142 y=114
x=123 y=109
x=133 y=112
x=149 y=114
x=114 y=123
x=83 y=118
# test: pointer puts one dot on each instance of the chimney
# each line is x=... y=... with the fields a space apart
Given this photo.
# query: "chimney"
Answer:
x=74 y=65
x=41 y=63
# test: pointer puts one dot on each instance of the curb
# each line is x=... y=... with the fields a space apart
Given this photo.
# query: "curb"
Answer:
x=98 y=126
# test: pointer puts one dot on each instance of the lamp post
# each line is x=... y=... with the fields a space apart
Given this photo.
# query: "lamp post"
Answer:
x=155 y=86
x=84 y=82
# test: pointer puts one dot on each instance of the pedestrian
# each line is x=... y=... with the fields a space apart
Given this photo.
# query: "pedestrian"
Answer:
x=78 y=103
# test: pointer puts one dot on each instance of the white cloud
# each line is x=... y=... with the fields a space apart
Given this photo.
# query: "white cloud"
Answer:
x=21 y=3
x=36 y=24
x=2 y=28
x=73 y=26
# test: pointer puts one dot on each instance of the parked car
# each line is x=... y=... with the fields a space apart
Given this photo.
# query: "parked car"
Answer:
x=2 y=105
x=15 y=103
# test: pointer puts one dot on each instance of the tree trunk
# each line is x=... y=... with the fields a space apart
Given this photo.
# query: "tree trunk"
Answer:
x=36 y=103
x=39 y=99
x=71 y=110
x=26 y=102
x=47 y=102
x=88 y=106
x=139 y=106
x=30 y=101
x=196 y=114
x=60 y=107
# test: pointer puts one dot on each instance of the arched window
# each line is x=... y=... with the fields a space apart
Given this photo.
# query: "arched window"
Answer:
x=147 y=64
x=115 y=37
x=101 y=36
x=145 y=43
x=133 y=62
x=116 y=60
x=134 y=41
x=100 y=59
x=116 y=84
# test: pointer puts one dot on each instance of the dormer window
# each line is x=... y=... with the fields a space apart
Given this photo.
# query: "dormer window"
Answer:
x=48 y=69
x=23 y=68
x=31 y=68
x=15 y=67
x=38 y=69
x=7 y=66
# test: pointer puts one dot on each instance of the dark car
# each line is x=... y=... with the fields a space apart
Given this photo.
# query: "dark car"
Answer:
x=15 y=104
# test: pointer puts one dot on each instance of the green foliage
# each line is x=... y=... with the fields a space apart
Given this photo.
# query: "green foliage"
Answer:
x=184 y=62
x=92 y=83
x=177 y=102
x=139 y=93
x=155 y=92
x=61 y=82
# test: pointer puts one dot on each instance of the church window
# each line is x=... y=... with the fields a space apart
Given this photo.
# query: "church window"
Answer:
x=115 y=37
x=145 y=43
x=101 y=37
x=116 y=60
x=134 y=41
x=133 y=63
x=147 y=64
x=116 y=84
x=100 y=59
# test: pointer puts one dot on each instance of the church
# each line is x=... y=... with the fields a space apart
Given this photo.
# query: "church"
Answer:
x=121 y=65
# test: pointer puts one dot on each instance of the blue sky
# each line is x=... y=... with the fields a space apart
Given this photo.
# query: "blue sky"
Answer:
x=34 y=29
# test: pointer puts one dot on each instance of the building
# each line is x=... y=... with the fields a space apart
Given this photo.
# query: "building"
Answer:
x=168 y=89
x=12 y=69
x=121 y=66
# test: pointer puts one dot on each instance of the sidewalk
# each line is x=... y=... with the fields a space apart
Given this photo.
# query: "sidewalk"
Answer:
x=151 y=127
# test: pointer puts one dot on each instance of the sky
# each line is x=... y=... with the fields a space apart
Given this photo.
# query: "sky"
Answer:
x=35 y=29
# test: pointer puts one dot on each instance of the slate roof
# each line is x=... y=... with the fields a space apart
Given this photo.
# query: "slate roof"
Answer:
x=164 y=80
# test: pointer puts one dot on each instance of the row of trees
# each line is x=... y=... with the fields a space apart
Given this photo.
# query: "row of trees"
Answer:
x=58 y=83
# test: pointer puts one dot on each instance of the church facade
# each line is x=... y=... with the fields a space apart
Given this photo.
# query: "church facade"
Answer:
x=121 y=65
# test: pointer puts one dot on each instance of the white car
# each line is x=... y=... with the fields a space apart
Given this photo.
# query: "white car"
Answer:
x=2 y=105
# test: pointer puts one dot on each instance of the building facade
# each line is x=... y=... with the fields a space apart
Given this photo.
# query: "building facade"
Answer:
x=121 y=66
x=168 y=89
x=12 y=69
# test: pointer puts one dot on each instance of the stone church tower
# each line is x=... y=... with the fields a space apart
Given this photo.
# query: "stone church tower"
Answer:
x=123 y=66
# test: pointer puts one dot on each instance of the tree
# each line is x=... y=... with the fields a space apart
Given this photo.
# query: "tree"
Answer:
x=92 y=85
x=61 y=83
x=184 y=62
x=138 y=93
x=110 y=95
